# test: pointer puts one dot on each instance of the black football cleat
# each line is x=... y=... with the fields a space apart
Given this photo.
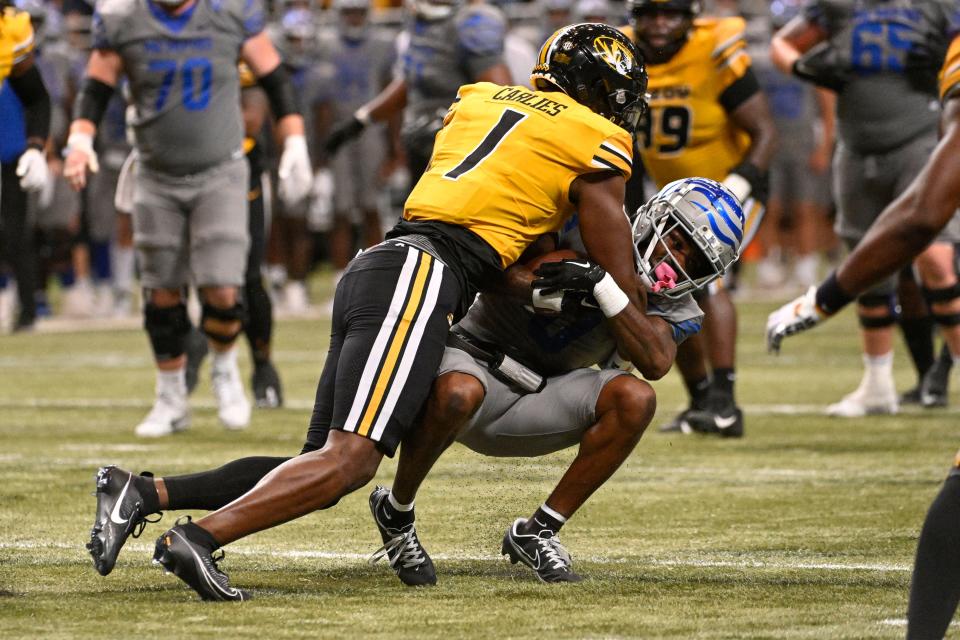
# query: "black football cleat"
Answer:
x=934 y=389
x=910 y=396
x=195 y=565
x=197 y=348
x=721 y=416
x=120 y=515
x=267 y=391
x=542 y=553
x=401 y=547
x=679 y=424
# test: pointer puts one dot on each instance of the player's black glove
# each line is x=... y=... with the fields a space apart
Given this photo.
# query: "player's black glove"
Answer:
x=822 y=66
x=341 y=134
x=758 y=180
x=922 y=65
x=574 y=274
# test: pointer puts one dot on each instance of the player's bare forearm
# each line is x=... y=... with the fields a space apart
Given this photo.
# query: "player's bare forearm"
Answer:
x=388 y=102
x=260 y=54
x=646 y=340
x=105 y=65
x=518 y=277
x=753 y=116
x=84 y=126
x=605 y=229
x=914 y=219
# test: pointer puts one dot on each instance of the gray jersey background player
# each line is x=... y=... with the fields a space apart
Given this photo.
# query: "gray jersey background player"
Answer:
x=448 y=43
x=190 y=212
x=357 y=63
x=882 y=61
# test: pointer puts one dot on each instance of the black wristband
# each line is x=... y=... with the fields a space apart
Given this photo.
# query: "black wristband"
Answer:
x=280 y=92
x=831 y=297
x=92 y=99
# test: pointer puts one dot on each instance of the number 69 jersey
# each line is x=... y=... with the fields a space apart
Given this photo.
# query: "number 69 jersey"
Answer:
x=687 y=131
x=504 y=160
x=183 y=77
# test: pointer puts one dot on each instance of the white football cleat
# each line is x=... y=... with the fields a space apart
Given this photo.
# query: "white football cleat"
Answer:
x=875 y=396
x=170 y=414
x=233 y=408
x=295 y=298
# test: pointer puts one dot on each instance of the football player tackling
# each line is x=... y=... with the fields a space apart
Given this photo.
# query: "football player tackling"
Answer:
x=902 y=231
x=509 y=165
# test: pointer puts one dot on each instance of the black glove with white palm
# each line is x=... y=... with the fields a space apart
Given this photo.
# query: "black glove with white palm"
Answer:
x=822 y=66
x=581 y=275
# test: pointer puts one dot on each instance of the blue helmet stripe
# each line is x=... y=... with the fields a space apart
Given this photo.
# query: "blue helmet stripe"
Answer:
x=722 y=211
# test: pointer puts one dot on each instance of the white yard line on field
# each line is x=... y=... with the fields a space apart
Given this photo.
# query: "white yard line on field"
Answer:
x=299 y=554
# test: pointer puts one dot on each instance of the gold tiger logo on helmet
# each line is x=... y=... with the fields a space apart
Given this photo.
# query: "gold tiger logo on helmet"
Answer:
x=614 y=53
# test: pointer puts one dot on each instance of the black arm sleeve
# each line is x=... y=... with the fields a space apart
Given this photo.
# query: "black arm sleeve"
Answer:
x=740 y=91
x=92 y=99
x=280 y=92
x=33 y=94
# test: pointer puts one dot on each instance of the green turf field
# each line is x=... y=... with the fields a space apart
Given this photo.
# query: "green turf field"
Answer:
x=806 y=528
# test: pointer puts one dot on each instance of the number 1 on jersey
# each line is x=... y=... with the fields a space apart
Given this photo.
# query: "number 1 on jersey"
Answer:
x=488 y=145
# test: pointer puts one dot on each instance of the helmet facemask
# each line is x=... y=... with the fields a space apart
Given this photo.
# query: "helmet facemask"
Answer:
x=671 y=210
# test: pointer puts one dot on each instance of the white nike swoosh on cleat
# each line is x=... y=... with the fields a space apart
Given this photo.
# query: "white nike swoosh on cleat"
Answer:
x=725 y=423
x=115 y=514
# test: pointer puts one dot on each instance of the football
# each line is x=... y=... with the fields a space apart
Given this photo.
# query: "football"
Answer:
x=552 y=256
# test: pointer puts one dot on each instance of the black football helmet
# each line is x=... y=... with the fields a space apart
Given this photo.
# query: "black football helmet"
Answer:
x=597 y=66
x=658 y=48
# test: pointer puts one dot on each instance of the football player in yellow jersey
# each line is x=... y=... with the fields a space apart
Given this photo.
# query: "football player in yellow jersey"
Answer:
x=905 y=228
x=708 y=117
x=566 y=144
x=24 y=163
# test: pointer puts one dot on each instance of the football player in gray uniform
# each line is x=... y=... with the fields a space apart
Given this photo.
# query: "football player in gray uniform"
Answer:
x=451 y=43
x=905 y=228
x=882 y=61
x=516 y=382
x=190 y=209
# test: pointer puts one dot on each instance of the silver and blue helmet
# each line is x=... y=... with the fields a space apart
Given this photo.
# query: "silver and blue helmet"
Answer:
x=710 y=216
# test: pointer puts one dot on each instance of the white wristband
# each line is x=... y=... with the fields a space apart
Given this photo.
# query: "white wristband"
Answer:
x=739 y=185
x=362 y=115
x=610 y=297
x=81 y=142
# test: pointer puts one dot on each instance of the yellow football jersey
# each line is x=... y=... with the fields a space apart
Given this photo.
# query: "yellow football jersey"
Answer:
x=503 y=162
x=687 y=132
x=950 y=73
x=16 y=39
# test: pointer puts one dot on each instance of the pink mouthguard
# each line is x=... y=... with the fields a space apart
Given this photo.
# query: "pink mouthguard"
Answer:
x=666 y=277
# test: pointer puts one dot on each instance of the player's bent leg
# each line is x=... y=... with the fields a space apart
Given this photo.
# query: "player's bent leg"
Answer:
x=222 y=321
x=692 y=363
x=297 y=487
x=624 y=408
x=167 y=325
x=454 y=399
x=917 y=327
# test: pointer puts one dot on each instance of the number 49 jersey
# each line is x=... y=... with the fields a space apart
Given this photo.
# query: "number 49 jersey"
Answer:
x=687 y=131
x=504 y=160
x=183 y=76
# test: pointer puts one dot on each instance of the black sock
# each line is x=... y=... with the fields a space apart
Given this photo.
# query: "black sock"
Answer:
x=394 y=517
x=211 y=490
x=723 y=380
x=148 y=489
x=935 y=586
x=918 y=334
x=542 y=521
x=698 y=390
x=198 y=535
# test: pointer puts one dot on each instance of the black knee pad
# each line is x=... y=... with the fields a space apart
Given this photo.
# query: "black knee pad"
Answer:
x=875 y=301
x=235 y=313
x=946 y=294
x=167 y=328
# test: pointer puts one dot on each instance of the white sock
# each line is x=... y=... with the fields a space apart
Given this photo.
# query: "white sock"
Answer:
x=172 y=382
x=880 y=362
x=224 y=359
x=123 y=265
x=396 y=505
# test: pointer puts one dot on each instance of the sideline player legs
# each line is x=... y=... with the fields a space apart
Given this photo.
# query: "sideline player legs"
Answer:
x=901 y=232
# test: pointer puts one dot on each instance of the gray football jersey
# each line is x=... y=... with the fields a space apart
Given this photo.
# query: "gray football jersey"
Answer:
x=441 y=56
x=552 y=345
x=891 y=49
x=183 y=77
x=355 y=70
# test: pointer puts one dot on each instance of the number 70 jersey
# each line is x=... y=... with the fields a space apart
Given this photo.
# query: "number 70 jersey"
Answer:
x=183 y=76
x=504 y=161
